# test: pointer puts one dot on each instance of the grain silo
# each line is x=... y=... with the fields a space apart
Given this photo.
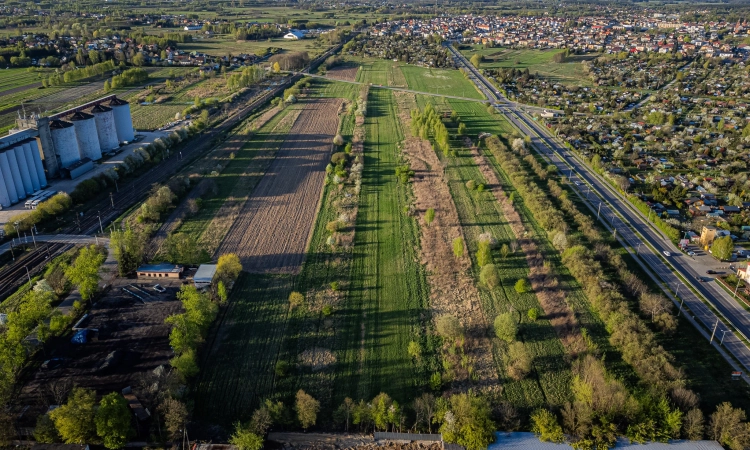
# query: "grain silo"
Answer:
x=123 y=121
x=88 y=141
x=31 y=167
x=4 y=197
x=16 y=172
x=10 y=185
x=23 y=169
x=105 y=128
x=65 y=142
x=38 y=163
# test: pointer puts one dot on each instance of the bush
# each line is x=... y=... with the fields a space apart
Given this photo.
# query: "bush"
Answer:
x=296 y=299
x=338 y=140
x=522 y=286
x=506 y=327
x=533 y=314
x=471 y=185
x=333 y=226
x=449 y=327
x=489 y=276
x=339 y=158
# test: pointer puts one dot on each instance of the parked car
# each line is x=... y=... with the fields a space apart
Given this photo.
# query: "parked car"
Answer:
x=691 y=253
x=710 y=272
x=159 y=288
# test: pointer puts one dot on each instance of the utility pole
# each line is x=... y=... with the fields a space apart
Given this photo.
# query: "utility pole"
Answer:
x=680 y=310
x=28 y=274
x=723 y=332
x=33 y=238
x=99 y=215
x=714 y=331
x=112 y=200
x=598 y=210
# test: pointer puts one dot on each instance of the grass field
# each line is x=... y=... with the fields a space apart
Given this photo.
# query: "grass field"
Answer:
x=439 y=81
x=537 y=61
x=15 y=78
x=386 y=306
x=240 y=355
x=479 y=213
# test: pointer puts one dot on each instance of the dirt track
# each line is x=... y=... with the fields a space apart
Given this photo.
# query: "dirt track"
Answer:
x=274 y=226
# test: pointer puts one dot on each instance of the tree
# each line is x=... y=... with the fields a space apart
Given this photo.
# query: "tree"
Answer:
x=107 y=85
x=692 y=425
x=533 y=314
x=504 y=251
x=128 y=249
x=489 y=276
x=476 y=60
x=228 y=267
x=461 y=129
x=338 y=140
x=113 y=421
x=728 y=427
x=522 y=286
x=345 y=411
x=75 y=419
x=517 y=361
x=449 y=327
x=84 y=272
x=175 y=415
x=276 y=67
x=484 y=253
x=466 y=421
x=45 y=431
x=429 y=216
x=722 y=248
x=221 y=291
x=544 y=424
x=414 y=350
x=138 y=60
x=506 y=327
x=425 y=407
x=307 y=409
x=458 y=247
x=245 y=439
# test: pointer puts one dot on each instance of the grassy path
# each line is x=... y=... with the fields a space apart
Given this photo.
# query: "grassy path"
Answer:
x=386 y=306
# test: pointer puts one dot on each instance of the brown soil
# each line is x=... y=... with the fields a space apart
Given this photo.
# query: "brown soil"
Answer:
x=343 y=73
x=546 y=286
x=452 y=288
x=275 y=224
x=230 y=210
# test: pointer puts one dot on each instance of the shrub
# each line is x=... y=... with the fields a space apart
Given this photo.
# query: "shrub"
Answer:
x=506 y=327
x=327 y=310
x=458 y=247
x=517 y=361
x=338 y=140
x=449 y=327
x=489 y=276
x=533 y=314
x=335 y=286
x=484 y=254
x=522 y=286
x=296 y=299
x=333 y=226
x=471 y=185
x=544 y=424
x=339 y=158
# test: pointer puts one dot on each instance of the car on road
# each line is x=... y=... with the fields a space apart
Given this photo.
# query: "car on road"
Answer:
x=710 y=272
x=577 y=183
x=667 y=254
x=700 y=279
x=691 y=253
x=159 y=288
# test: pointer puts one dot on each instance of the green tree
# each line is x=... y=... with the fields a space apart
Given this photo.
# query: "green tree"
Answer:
x=533 y=314
x=489 y=276
x=522 y=286
x=228 y=267
x=175 y=415
x=307 y=409
x=544 y=424
x=84 y=272
x=221 y=291
x=484 y=253
x=45 y=431
x=75 y=419
x=728 y=427
x=506 y=326
x=128 y=249
x=517 y=360
x=461 y=129
x=429 y=216
x=185 y=364
x=722 y=248
x=458 y=247
x=113 y=421
x=476 y=60
x=469 y=424
x=245 y=439
x=449 y=327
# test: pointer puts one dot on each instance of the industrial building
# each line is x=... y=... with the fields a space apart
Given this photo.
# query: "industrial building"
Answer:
x=63 y=144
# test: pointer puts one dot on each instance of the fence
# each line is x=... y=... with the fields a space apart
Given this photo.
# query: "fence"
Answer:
x=408 y=437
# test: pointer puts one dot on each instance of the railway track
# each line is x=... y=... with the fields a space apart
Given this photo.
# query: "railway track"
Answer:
x=13 y=276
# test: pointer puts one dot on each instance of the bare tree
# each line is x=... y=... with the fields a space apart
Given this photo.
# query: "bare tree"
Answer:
x=425 y=407
x=59 y=389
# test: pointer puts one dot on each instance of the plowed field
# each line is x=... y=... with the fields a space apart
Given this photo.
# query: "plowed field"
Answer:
x=343 y=73
x=271 y=234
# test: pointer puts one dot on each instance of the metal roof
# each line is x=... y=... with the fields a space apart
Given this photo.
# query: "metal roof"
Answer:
x=205 y=273
x=529 y=441
x=160 y=268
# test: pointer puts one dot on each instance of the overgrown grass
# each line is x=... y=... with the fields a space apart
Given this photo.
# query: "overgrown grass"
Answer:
x=439 y=81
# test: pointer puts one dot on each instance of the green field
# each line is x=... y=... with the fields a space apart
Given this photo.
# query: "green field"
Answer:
x=386 y=306
x=238 y=363
x=440 y=81
x=537 y=61
x=479 y=212
x=13 y=78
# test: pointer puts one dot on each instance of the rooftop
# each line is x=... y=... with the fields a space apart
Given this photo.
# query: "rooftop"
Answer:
x=529 y=441
x=160 y=268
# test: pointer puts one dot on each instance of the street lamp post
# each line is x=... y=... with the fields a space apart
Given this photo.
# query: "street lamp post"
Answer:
x=28 y=274
x=99 y=215
x=723 y=332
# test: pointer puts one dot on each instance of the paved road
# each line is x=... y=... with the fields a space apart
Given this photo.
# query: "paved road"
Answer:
x=632 y=228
